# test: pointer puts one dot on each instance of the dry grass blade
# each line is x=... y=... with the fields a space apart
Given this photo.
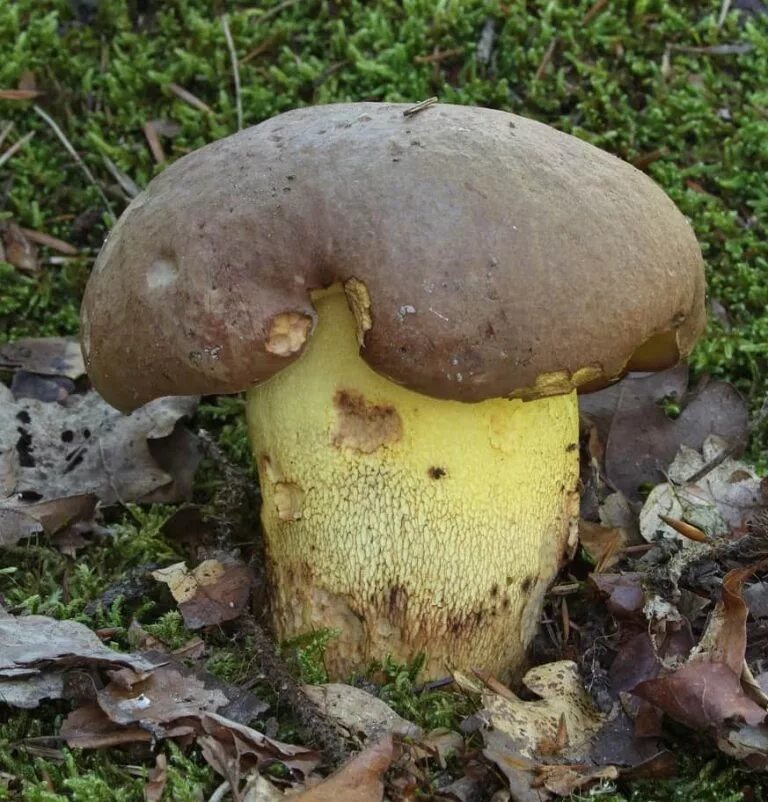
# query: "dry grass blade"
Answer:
x=235 y=69
x=194 y=101
x=54 y=243
x=153 y=140
x=76 y=156
x=550 y=51
x=415 y=109
x=4 y=133
x=16 y=147
x=438 y=56
x=593 y=11
x=19 y=94
x=127 y=184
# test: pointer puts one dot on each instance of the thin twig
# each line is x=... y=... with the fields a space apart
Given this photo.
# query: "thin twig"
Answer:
x=260 y=48
x=285 y=685
x=438 y=55
x=15 y=147
x=725 y=7
x=593 y=11
x=235 y=69
x=194 y=101
x=74 y=154
x=550 y=51
x=276 y=10
x=712 y=464
x=4 y=133
x=153 y=140
x=56 y=244
x=425 y=104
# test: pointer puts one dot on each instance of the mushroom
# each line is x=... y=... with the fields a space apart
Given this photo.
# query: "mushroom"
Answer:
x=411 y=302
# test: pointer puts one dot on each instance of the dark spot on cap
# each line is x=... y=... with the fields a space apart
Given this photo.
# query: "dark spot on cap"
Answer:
x=436 y=472
x=67 y=436
x=528 y=583
x=494 y=590
x=571 y=447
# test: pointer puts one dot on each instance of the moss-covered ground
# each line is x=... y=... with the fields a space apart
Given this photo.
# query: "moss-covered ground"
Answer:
x=669 y=86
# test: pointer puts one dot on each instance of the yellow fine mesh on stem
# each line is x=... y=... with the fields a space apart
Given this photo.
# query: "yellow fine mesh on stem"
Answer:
x=409 y=524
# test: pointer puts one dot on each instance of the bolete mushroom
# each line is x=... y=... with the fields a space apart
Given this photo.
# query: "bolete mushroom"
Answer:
x=411 y=302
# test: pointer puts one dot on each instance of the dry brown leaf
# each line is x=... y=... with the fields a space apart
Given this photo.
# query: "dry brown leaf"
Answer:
x=359 y=714
x=28 y=692
x=16 y=525
x=641 y=440
x=49 y=356
x=157 y=778
x=565 y=780
x=729 y=494
x=360 y=780
x=213 y=592
x=19 y=94
x=703 y=696
x=43 y=388
x=158 y=699
x=29 y=643
x=250 y=748
x=19 y=520
x=19 y=251
x=54 y=243
x=88 y=727
x=603 y=544
x=84 y=446
x=712 y=690
x=259 y=789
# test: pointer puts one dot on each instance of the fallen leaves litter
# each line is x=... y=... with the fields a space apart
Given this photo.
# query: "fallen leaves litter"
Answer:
x=213 y=592
x=359 y=714
x=36 y=650
x=84 y=446
x=713 y=690
x=561 y=742
x=360 y=780
x=18 y=249
x=727 y=495
x=641 y=439
x=49 y=356
x=157 y=778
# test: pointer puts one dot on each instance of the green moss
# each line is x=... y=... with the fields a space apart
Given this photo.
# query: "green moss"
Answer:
x=430 y=709
x=75 y=776
x=698 y=120
x=307 y=652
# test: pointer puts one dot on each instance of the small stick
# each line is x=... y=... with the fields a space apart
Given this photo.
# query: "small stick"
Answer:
x=80 y=163
x=4 y=133
x=425 y=104
x=546 y=59
x=283 y=683
x=15 y=147
x=54 y=243
x=724 y=9
x=593 y=11
x=438 y=56
x=153 y=140
x=235 y=69
x=194 y=101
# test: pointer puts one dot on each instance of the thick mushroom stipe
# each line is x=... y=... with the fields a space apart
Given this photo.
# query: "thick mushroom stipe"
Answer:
x=408 y=524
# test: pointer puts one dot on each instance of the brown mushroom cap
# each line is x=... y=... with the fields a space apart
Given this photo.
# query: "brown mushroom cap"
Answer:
x=491 y=256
